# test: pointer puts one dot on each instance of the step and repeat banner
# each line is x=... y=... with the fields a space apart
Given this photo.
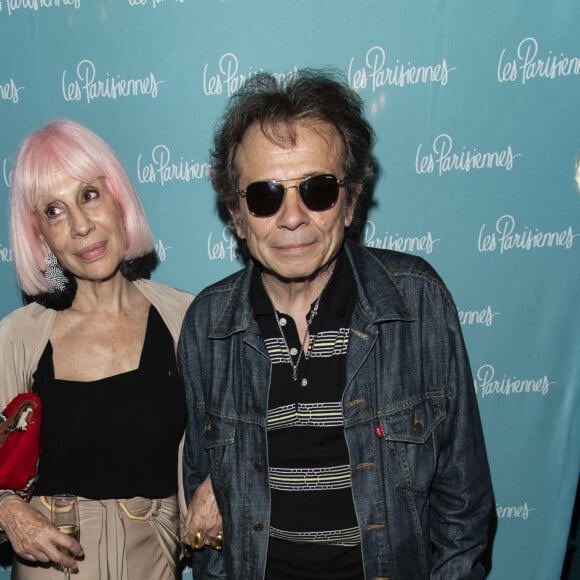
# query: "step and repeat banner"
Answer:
x=476 y=106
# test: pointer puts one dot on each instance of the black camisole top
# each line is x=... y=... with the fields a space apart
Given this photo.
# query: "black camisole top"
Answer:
x=116 y=437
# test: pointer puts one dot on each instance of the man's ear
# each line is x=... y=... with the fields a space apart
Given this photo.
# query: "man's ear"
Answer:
x=356 y=190
x=238 y=220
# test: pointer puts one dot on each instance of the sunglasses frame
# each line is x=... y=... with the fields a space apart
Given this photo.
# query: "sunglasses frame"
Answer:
x=299 y=186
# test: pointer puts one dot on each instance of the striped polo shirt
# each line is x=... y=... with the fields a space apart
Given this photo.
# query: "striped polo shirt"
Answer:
x=313 y=522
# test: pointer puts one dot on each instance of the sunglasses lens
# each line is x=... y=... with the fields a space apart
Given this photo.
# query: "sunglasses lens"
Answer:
x=319 y=192
x=264 y=198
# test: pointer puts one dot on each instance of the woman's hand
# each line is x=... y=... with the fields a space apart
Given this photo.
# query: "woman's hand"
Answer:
x=34 y=538
x=203 y=514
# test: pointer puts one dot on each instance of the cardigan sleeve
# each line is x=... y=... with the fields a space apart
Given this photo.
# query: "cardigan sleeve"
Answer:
x=23 y=337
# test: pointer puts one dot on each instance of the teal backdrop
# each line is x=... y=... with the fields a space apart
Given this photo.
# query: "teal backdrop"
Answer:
x=476 y=106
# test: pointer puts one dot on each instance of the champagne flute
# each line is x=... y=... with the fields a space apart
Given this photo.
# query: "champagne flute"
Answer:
x=65 y=518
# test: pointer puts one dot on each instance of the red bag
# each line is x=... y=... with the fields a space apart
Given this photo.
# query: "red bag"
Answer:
x=20 y=444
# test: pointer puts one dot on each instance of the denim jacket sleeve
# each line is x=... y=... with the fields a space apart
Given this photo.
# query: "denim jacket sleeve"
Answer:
x=461 y=501
x=207 y=564
x=460 y=494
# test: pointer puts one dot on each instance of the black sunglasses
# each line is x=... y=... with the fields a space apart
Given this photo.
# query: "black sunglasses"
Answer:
x=318 y=192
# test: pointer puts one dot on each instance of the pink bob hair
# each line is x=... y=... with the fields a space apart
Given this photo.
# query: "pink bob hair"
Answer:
x=84 y=156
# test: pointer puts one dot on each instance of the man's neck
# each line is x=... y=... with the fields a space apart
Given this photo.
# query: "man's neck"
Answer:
x=295 y=297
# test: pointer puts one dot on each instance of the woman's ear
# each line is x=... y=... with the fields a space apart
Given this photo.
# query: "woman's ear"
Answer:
x=43 y=245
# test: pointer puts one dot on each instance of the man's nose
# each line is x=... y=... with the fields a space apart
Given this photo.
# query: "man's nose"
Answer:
x=293 y=212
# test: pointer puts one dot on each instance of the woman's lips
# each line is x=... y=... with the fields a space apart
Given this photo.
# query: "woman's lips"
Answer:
x=92 y=252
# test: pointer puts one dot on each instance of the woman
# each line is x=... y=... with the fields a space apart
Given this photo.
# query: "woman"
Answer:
x=97 y=344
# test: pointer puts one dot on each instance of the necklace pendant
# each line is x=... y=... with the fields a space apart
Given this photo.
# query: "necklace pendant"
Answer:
x=295 y=373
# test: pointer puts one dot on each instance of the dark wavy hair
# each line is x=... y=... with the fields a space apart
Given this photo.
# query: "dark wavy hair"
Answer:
x=309 y=96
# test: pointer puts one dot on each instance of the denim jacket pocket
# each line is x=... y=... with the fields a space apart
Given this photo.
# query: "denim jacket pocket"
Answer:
x=414 y=421
x=411 y=432
x=219 y=439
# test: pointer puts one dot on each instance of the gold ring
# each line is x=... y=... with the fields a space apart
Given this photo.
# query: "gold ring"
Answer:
x=197 y=540
x=216 y=542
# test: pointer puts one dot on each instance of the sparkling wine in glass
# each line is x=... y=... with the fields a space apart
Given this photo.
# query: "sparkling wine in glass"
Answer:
x=65 y=517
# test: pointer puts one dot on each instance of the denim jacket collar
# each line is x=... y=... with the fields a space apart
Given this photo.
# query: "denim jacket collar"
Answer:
x=378 y=302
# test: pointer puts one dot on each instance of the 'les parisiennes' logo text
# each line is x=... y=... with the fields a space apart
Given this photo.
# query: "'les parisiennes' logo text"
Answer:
x=86 y=84
x=443 y=157
x=528 y=64
x=507 y=236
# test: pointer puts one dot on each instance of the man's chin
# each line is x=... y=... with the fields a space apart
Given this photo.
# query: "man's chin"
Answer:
x=300 y=275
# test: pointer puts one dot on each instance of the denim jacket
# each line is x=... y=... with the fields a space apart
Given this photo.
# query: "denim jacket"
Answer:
x=420 y=477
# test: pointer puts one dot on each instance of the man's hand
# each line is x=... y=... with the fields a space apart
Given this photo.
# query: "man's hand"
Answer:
x=34 y=538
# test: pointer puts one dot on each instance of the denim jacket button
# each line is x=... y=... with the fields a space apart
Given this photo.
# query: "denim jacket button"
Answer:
x=258 y=465
x=257 y=408
x=258 y=526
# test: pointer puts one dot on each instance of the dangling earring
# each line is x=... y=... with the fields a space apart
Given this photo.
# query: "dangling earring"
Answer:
x=54 y=274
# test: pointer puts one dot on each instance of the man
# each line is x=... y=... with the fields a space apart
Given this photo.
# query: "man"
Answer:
x=329 y=391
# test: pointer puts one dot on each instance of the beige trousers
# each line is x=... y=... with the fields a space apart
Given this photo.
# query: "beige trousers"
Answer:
x=133 y=539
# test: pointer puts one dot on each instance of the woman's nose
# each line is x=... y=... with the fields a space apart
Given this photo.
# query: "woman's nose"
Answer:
x=81 y=223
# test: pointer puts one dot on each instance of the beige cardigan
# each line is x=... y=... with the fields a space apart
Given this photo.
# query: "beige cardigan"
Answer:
x=24 y=334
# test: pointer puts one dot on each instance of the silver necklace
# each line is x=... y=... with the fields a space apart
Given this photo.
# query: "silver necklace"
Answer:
x=309 y=320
